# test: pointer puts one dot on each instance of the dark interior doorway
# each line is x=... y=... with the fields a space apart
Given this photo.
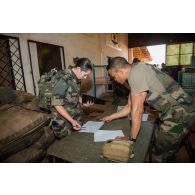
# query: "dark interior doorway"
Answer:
x=43 y=58
x=49 y=57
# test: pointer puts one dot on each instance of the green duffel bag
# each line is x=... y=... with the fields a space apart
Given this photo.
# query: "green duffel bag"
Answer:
x=19 y=128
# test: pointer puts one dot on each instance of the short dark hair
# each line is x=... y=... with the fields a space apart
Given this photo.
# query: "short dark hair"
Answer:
x=117 y=62
x=84 y=63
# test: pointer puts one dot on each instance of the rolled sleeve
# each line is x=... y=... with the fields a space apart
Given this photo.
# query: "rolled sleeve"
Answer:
x=57 y=101
x=138 y=82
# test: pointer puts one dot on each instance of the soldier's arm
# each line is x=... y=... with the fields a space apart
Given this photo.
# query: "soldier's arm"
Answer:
x=124 y=112
x=58 y=102
x=62 y=111
x=136 y=112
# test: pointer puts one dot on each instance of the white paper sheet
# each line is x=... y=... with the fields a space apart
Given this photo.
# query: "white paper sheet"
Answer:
x=104 y=135
x=91 y=126
x=144 y=117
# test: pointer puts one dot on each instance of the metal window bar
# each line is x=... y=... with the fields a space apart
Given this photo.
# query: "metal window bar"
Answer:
x=11 y=67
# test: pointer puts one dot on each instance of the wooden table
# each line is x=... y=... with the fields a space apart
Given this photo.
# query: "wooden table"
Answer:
x=80 y=147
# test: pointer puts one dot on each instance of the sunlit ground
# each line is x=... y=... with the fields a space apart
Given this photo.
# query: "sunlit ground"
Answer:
x=157 y=53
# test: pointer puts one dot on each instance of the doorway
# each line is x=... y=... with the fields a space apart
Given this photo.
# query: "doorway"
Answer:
x=43 y=58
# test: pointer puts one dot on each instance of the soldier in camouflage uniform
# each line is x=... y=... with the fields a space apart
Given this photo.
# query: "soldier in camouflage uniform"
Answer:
x=66 y=100
x=161 y=92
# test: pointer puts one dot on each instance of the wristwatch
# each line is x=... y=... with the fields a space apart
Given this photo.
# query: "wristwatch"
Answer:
x=131 y=139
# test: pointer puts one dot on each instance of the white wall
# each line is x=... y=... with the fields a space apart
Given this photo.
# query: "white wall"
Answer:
x=92 y=46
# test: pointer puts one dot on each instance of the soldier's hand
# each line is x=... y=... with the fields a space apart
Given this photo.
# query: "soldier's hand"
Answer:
x=76 y=125
x=89 y=103
x=107 y=118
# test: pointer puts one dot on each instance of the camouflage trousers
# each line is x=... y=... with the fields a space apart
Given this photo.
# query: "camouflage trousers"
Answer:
x=61 y=127
x=167 y=140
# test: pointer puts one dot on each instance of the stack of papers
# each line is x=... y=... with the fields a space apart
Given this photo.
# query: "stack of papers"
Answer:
x=91 y=126
x=144 y=117
x=100 y=135
x=104 y=135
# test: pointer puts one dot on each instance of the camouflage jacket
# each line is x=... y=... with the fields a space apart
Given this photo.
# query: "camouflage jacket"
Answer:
x=66 y=92
x=163 y=93
x=174 y=103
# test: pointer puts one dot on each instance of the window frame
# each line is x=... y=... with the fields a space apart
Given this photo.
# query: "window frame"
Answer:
x=180 y=54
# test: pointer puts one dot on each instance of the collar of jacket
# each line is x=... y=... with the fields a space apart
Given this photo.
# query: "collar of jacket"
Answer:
x=74 y=76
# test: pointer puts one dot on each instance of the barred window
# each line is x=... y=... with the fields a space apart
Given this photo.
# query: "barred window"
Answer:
x=179 y=54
